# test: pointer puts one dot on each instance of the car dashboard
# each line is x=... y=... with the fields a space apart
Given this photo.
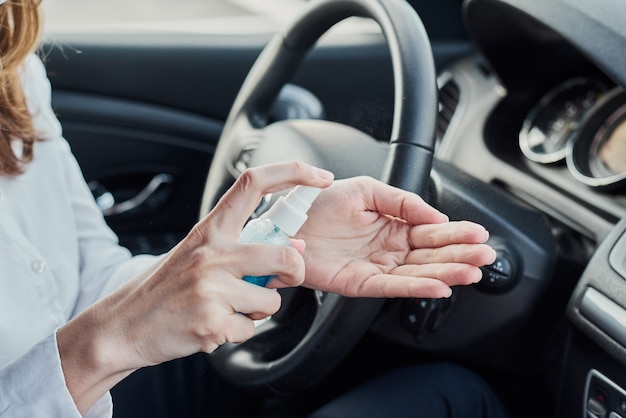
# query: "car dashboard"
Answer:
x=539 y=113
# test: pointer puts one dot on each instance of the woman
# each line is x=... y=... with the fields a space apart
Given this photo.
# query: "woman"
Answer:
x=78 y=313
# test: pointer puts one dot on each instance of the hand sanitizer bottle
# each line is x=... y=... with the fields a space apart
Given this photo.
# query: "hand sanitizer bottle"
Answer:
x=279 y=223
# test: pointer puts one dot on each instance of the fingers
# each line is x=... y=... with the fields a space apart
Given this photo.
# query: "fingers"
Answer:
x=284 y=262
x=232 y=261
x=299 y=245
x=473 y=254
x=449 y=253
x=444 y=254
x=222 y=311
x=248 y=302
x=233 y=209
x=452 y=274
x=237 y=329
x=199 y=292
x=440 y=235
x=425 y=281
x=399 y=286
x=248 y=298
x=399 y=203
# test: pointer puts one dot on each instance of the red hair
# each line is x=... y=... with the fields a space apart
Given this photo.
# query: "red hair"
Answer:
x=20 y=25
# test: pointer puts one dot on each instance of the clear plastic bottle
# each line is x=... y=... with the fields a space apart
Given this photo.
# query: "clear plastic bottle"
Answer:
x=279 y=223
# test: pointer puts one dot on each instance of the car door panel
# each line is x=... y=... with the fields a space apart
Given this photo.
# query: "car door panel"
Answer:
x=123 y=146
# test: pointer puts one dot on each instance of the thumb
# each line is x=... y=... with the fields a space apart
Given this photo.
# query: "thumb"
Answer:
x=299 y=245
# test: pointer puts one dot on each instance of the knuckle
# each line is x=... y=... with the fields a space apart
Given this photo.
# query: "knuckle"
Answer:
x=362 y=179
x=208 y=346
x=204 y=259
x=197 y=235
x=196 y=258
x=274 y=303
x=247 y=179
x=196 y=265
x=213 y=330
x=245 y=332
x=297 y=166
x=464 y=274
x=289 y=258
x=362 y=182
x=428 y=255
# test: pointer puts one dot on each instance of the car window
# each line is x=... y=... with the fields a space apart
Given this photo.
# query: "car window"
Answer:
x=167 y=16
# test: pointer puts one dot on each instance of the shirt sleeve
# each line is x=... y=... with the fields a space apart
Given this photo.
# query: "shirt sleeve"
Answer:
x=39 y=372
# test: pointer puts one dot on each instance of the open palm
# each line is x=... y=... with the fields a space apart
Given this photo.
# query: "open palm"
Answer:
x=365 y=238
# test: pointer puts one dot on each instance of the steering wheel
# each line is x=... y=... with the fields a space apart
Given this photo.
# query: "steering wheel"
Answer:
x=314 y=331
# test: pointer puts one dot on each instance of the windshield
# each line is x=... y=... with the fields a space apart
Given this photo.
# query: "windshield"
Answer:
x=158 y=16
x=222 y=17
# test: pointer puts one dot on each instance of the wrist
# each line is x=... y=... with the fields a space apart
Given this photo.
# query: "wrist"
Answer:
x=89 y=358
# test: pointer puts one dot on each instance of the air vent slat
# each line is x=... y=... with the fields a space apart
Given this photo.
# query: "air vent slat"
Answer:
x=449 y=94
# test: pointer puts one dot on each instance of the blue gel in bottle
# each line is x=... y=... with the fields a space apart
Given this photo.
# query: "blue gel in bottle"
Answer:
x=279 y=223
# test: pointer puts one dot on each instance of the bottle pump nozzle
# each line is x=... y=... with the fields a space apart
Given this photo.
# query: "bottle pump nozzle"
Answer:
x=289 y=213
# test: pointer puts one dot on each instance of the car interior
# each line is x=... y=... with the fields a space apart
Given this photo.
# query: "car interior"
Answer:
x=509 y=113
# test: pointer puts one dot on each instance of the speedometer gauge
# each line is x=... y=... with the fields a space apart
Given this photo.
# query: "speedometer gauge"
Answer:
x=549 y=124
x=598 y=150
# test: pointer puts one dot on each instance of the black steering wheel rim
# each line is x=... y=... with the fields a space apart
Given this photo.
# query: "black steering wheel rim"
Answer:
x=339 y=322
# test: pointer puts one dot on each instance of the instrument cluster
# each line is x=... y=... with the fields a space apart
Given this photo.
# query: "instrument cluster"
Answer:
x=582 y=123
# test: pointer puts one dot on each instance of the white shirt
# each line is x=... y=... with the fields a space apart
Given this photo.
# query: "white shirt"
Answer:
x=57 y=256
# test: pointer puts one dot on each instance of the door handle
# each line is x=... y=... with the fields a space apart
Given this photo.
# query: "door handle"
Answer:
x=108 y=205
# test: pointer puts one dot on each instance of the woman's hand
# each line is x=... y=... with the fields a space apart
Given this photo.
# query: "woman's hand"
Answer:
x=193 y=300
x=365 y=238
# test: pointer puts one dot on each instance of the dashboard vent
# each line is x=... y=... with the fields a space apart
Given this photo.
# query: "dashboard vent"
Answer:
x=449 y=93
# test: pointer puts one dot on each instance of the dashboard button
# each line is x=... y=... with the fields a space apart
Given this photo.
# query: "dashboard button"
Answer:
x=499 y=276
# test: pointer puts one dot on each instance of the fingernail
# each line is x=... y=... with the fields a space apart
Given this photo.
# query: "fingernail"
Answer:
x=494 y=255
x=479 y=275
